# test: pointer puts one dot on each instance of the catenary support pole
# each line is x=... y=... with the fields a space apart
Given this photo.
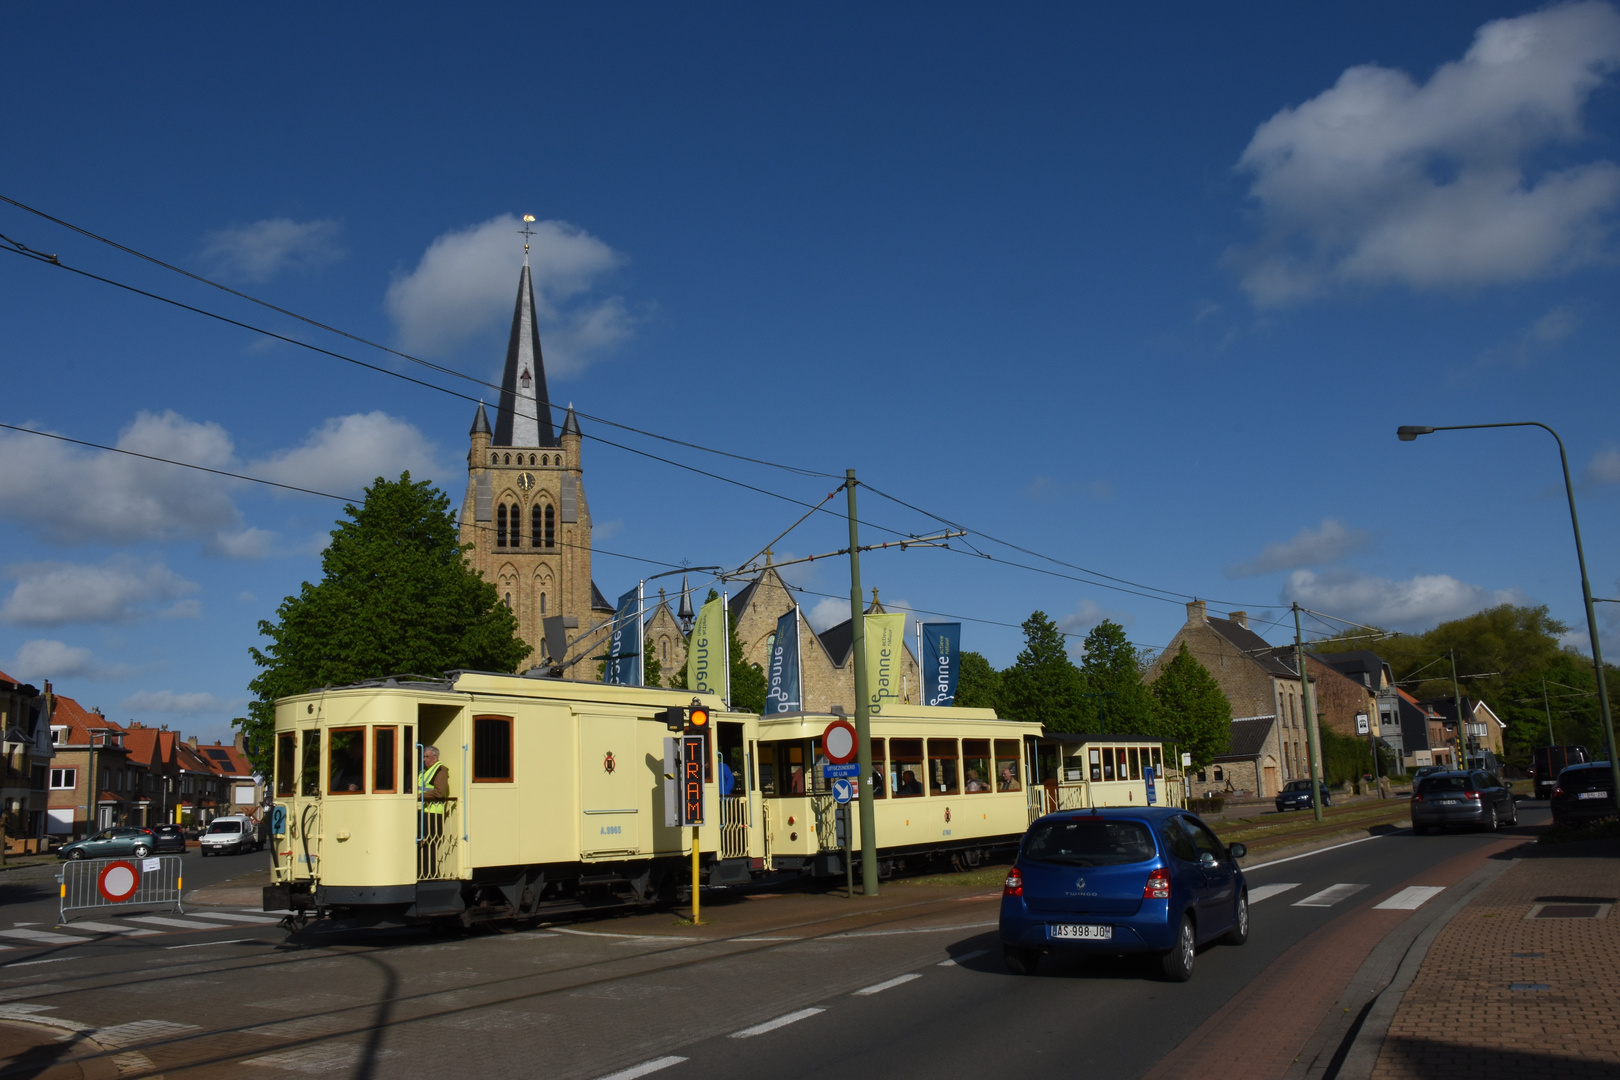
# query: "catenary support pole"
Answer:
x=1310 y=718
x=863 y=703
x=1456 y=701
x=1547 y=705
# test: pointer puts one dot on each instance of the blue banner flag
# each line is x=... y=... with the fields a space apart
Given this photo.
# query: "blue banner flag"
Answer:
x=782 y=674
x=941 y=643
x=624 y=647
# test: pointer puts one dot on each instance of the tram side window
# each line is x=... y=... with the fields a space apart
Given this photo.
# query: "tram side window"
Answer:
x=310 y=775
x=384 y=758
x=1096 y=764
x=409 y=743
x=792 y=768
x=492 y=749
x=906 y=767
x=1007 y=759
x=976 y=765
x=1108 y=762
x=286 y=765
x=879 y=772
x=767 y=768
x=346 y=761
x=1136 y=765
x=819 y=784
x=1158 y=761
x=942 y=766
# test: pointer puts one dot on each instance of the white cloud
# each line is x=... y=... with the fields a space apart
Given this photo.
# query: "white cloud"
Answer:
x=1087 y=614
x=829 y=611
x=251 y=543
x=1543 y=335
x=44 y=658
x=467 y=280
x=347 y=453
x=167 y=701
x=260 y=251
x=116 y=498
x=1416 y=603
x=1604 y=468
x=119 y=590
x=1327 y=543
x=1381 y=179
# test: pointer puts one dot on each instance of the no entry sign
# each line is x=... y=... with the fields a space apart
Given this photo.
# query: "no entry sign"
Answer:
x=838 y=742
x=118 y=881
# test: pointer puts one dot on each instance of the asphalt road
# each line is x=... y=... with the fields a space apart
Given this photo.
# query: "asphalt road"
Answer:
x=909 y=984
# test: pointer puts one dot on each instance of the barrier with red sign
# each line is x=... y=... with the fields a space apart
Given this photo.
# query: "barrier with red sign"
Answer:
x=101 y=884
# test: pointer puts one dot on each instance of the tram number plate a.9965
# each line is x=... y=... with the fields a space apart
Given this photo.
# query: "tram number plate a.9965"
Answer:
x=1080 y=930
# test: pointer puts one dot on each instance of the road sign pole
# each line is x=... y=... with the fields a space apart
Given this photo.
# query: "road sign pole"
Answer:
x=697 y=910
x=849 y=863
x=863 y=704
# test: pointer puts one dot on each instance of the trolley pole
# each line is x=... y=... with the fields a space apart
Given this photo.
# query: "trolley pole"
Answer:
x=863 y=703
x=1310 y=719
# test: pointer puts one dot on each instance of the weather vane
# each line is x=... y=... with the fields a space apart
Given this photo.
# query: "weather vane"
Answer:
x=526 y=232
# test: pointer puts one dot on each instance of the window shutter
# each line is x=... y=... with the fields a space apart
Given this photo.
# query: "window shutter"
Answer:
x=568 y=500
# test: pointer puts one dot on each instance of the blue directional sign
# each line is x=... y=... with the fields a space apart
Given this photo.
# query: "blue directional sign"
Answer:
x=1152 y=788
x=843 y=791
x=841 y=772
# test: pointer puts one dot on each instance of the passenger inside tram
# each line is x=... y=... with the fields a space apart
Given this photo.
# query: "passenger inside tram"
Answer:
x=909 y=784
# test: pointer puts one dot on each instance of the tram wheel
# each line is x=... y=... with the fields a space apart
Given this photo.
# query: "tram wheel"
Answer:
x=959 y=862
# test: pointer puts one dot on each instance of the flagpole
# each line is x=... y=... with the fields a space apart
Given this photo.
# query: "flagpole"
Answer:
x=641 y=632
x=725 y=642
x=922 y=698
x=798 y=648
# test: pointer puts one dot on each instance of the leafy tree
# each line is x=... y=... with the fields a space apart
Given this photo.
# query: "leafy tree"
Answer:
x=1043 y=686
x=652 y=669
x=978 y=685
x=1111 y=677
x=1194 y=714
x=396 y=596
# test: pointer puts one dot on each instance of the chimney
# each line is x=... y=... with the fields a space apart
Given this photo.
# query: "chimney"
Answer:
x=193 y=741
x=240 y=743
x=1241 y=618
x=1196 y=613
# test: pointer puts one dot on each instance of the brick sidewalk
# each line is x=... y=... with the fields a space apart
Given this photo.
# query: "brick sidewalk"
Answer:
x=1460 y=1018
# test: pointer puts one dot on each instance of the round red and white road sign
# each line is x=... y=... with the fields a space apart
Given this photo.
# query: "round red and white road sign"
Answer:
x=838 y=742
x=118 y=881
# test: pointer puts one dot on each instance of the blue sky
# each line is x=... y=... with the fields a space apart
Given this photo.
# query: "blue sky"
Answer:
x=1142 y=290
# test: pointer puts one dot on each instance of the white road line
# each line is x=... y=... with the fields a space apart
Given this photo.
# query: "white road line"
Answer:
x=766 y=939
x=915 y=930
x=953 y=961
x=184 y=924
x=887 y=984
x=644 y=1068
x=44 y=937
x=263 y=920
x=1322 y=850
x=1410 y=898
x=771 y=1025
x=203 y=944
x=122 y=1035
x=1329 y=896
x=106 y=928
x=1266 y=892
x=632 y=937
x=52 y=960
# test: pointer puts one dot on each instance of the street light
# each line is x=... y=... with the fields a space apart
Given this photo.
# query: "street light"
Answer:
x=1409 y=432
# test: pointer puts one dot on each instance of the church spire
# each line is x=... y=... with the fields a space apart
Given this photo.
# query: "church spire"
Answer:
x=523 y=417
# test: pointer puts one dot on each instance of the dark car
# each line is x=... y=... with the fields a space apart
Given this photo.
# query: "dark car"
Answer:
x=1150 y=880
x=1582 y=793
x=111 y=843
x=1296 y=795
x=1462 y=798
x=1546 y=762
x=169 y=838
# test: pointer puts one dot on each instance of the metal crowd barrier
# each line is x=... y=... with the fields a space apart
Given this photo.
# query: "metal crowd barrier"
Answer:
x=103 y=885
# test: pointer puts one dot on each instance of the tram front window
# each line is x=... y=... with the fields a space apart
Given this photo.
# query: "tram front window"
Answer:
x=879 y=772
x=286 y=765
x=346 y=761
x=309 y=780
x=906 y=767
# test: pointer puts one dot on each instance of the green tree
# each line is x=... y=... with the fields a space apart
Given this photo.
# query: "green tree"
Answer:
x=1111 y=677
x=978 y=685
x=1194 y=715
x=396 y=596
x=1043 y=686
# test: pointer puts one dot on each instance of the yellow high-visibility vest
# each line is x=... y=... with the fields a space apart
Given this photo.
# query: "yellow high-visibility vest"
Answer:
x=424 y=784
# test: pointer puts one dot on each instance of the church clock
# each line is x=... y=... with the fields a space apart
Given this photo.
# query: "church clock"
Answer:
x=526 y=481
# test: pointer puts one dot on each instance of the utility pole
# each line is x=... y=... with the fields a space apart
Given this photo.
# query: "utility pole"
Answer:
x=1547 y=706
x=1310 y=719
x=1456 y=699
x=863 y=703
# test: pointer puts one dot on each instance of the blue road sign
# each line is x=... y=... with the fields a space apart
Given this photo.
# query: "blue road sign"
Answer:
x=1152 y=788
x=843 y=791
x=845 y=772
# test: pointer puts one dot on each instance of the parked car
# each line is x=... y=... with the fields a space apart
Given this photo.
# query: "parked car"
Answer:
x=169 y=838
x=1546 y=762
x=1582 y=793
x=234 y=834
x=110 y=844
x=1117 y=880
x=1425 y=770
x=1461 y=798
x=1296 y=795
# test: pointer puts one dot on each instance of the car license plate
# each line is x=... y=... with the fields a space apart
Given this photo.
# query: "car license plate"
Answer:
x=1449 y=802
x=1092 y=933
x=1591 y=795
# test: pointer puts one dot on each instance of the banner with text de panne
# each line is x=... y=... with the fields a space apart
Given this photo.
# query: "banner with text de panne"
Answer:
x=624 y=647
x=940 y=644
x=706 y=651
x=782 y=671
x=885 y=659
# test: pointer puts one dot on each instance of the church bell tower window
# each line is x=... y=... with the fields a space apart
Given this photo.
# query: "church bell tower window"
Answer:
x=551 y=527
x=500 y=525
x=536 y=526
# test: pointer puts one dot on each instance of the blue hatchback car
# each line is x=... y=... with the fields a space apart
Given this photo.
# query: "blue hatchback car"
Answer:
x=1122 y=880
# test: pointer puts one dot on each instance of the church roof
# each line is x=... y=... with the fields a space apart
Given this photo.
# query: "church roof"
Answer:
x=598 y=601
x=480 y=422
x=570 y=422
x=523 y=417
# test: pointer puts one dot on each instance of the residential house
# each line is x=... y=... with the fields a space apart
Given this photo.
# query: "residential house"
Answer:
x=1255 y=748
x=242 y=789
x=27 y=748
x=1373 y=673
x=204 y=790
x=1484 y=727
x=93 y=783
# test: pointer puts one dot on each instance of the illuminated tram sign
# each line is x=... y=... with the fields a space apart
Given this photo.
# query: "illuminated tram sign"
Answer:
x=694 y=752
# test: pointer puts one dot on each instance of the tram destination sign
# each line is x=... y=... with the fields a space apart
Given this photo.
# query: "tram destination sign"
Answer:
x=848 y=771
x=694 y=751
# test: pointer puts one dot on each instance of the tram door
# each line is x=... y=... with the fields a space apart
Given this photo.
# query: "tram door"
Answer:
x=614 y=784
x=733 y=797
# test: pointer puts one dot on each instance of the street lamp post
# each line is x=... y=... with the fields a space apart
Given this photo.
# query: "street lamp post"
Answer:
x=1409 y=432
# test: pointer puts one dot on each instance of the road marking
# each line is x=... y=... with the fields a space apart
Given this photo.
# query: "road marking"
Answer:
x=1266 y=892
x=124 y=1035
x=34 y=1014
x=914 y=930
x=767 y=939
x=772 y=1025
x=1319 y=851
x=184 y=924
x=953 y=961
x=645 y=1067
x=43 y=937
x=204 y=944
x=887 y=984
x=107 y=928
x=632 y=937
x=52 y=960
x=262 y=920
x=1329 y=896
x=1410 y=898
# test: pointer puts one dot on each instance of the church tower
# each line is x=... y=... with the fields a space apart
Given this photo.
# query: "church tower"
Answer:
x=525 y=514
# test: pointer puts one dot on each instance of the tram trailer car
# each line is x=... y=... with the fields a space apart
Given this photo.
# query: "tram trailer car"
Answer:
x=557 y=801
x=950 y=785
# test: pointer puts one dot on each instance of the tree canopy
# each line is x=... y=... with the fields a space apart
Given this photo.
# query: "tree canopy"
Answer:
x=396 y=596
x=1193 y=714
x=1043 y=686
x=1111 y=676
x=978 y=685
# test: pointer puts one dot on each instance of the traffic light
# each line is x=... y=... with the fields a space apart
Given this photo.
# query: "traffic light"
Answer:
x=697 y=718
x=673 y=718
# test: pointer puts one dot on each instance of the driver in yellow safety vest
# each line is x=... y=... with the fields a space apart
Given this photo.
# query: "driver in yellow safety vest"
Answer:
x=434 y=784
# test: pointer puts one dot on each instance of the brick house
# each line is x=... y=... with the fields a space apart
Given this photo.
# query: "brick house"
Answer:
x=88 y=747
x=240 y=789
x=1484 y=730
x=1250 y=763
x=25 y=774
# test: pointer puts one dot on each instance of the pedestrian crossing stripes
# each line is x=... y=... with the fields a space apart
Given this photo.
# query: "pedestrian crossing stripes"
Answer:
x=26 y=934
x=110 y=928
x=43 y=937
x=1266 y=892
x=1410 y=898
x=183 y=924
x=265 y=920
x=1329 y=896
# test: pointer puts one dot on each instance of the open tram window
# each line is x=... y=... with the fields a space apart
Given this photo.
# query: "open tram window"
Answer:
x=409 y=744
x=767 y=768
x=976 y=774
x=1158 y=761
x=385 y=760
x=1007 y=759
x=878 y=770
x=906 y=767
x=286 y=765
x=492 y=749
x=942 y=766
x=309 y=780
x=1135 y=763
x=819 y=784
x=346 y=761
